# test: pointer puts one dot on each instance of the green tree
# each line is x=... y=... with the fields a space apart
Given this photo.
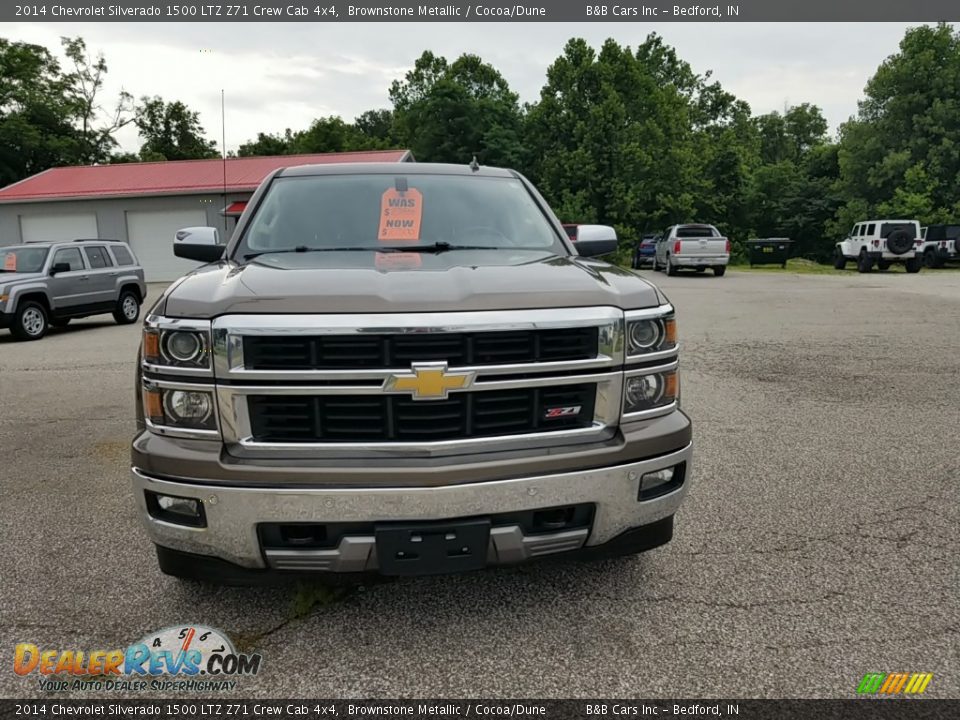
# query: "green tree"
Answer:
x=451 y=112
x=171 y=131
x=902 y=151
x=95 y=124
x=267 y=144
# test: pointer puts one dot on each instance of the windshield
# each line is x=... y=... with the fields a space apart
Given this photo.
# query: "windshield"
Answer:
x=380 y=211
x=23 y=259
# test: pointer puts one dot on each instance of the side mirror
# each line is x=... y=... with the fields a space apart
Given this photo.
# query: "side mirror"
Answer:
x=59 y=268
x=198 y=243
x=596 y=240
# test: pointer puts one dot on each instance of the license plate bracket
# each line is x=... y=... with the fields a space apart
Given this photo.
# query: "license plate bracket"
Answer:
x=432 y=548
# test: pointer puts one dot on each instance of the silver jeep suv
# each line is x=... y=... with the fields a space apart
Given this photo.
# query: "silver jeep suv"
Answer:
x=50 y=283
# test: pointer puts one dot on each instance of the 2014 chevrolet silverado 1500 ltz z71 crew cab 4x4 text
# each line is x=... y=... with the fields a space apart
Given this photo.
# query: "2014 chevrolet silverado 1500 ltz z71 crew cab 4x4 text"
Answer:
x=404 y=370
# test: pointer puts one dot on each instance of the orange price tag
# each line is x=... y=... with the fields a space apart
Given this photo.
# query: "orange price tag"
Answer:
x=10 y=262
x=400 y=214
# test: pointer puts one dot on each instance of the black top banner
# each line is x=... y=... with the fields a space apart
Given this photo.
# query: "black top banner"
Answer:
x=332 y=11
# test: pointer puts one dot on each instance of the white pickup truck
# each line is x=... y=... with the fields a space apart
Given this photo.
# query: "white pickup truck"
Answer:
x=692 y=246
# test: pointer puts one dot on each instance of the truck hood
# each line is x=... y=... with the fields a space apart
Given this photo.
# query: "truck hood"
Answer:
x=367 y=282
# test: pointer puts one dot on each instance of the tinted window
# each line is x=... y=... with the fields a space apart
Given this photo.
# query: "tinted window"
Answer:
x=953 y=232
x=98 y=257
x=22 y=259
x=696 y=231
x=122 y=255
x=871 y=229
x=71 y=256
x=378 y=210
x=863 y=230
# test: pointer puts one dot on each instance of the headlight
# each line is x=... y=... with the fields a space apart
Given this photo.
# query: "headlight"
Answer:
x=179 y=408
x=651 y=335
x=176 y=348
x=650 y=391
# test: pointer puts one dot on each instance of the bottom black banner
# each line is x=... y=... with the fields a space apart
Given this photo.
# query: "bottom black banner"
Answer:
x=872 y=709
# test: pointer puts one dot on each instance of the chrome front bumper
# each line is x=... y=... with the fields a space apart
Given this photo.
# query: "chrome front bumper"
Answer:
x=233 y=514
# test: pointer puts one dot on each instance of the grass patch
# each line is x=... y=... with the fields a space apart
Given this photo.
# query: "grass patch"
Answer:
x=794 y=266
x=313 y=595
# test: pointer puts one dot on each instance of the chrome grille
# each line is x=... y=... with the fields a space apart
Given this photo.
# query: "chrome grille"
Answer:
x=395 y=418
x=344 y=352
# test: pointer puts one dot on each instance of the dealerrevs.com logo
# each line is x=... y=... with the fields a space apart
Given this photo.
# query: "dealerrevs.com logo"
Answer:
x=188 y=657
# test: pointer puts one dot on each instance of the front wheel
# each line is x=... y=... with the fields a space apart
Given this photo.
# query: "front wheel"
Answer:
x=913 y=265
x=128 y=308
x=930 y=260
x=719 y=270
x=30 y=321
x=839 y=260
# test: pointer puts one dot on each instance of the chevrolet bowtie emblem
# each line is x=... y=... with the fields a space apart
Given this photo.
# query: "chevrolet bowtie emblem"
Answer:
x=429 y=381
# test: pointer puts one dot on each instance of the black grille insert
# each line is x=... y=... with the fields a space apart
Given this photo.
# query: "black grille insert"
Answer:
x=348 y=352
x=399 y=418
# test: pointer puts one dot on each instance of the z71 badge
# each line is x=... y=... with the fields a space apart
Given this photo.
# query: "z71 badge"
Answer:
x=559 y=412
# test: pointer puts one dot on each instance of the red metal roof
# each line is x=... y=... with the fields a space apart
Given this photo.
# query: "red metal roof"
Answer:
x=179 y=177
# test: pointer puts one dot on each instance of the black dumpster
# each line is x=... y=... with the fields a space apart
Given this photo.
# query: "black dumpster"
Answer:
x=769 y=251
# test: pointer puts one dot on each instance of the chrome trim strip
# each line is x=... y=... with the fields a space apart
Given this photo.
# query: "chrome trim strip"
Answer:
x=477 y=386
x=342 y=324
x=646 y=313
x=173 y=370
x=358 y=553
x=228 y=332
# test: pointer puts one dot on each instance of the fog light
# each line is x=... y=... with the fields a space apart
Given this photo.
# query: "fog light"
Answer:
x=179 y=505
x=660 y=482
x=176 y=510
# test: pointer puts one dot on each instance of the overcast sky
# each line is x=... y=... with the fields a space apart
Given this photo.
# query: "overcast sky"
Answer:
x=279 y=75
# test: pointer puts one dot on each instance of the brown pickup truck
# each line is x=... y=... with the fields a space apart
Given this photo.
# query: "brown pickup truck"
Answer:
x=404 y=369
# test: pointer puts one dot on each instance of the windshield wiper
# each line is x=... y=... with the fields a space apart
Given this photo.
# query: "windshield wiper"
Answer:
x=305 y=249
x=437 y=247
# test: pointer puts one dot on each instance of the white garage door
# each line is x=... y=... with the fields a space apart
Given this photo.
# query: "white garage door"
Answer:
x=151 y=236
x=54 y=228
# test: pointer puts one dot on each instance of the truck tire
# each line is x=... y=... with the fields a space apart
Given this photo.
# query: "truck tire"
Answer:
x=883 y=264
x=930 y=259
x=671 y=268
x=30 y=322
x=128 y=308
x=839 y=260
x=719 y=270
x=913 y=265
x=900 y=241
x=864 y=263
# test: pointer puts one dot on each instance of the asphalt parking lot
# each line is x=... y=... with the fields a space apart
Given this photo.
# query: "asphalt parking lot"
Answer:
x=818 y=543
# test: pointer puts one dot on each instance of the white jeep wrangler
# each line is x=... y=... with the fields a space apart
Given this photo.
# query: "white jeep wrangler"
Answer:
x=881 y=242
